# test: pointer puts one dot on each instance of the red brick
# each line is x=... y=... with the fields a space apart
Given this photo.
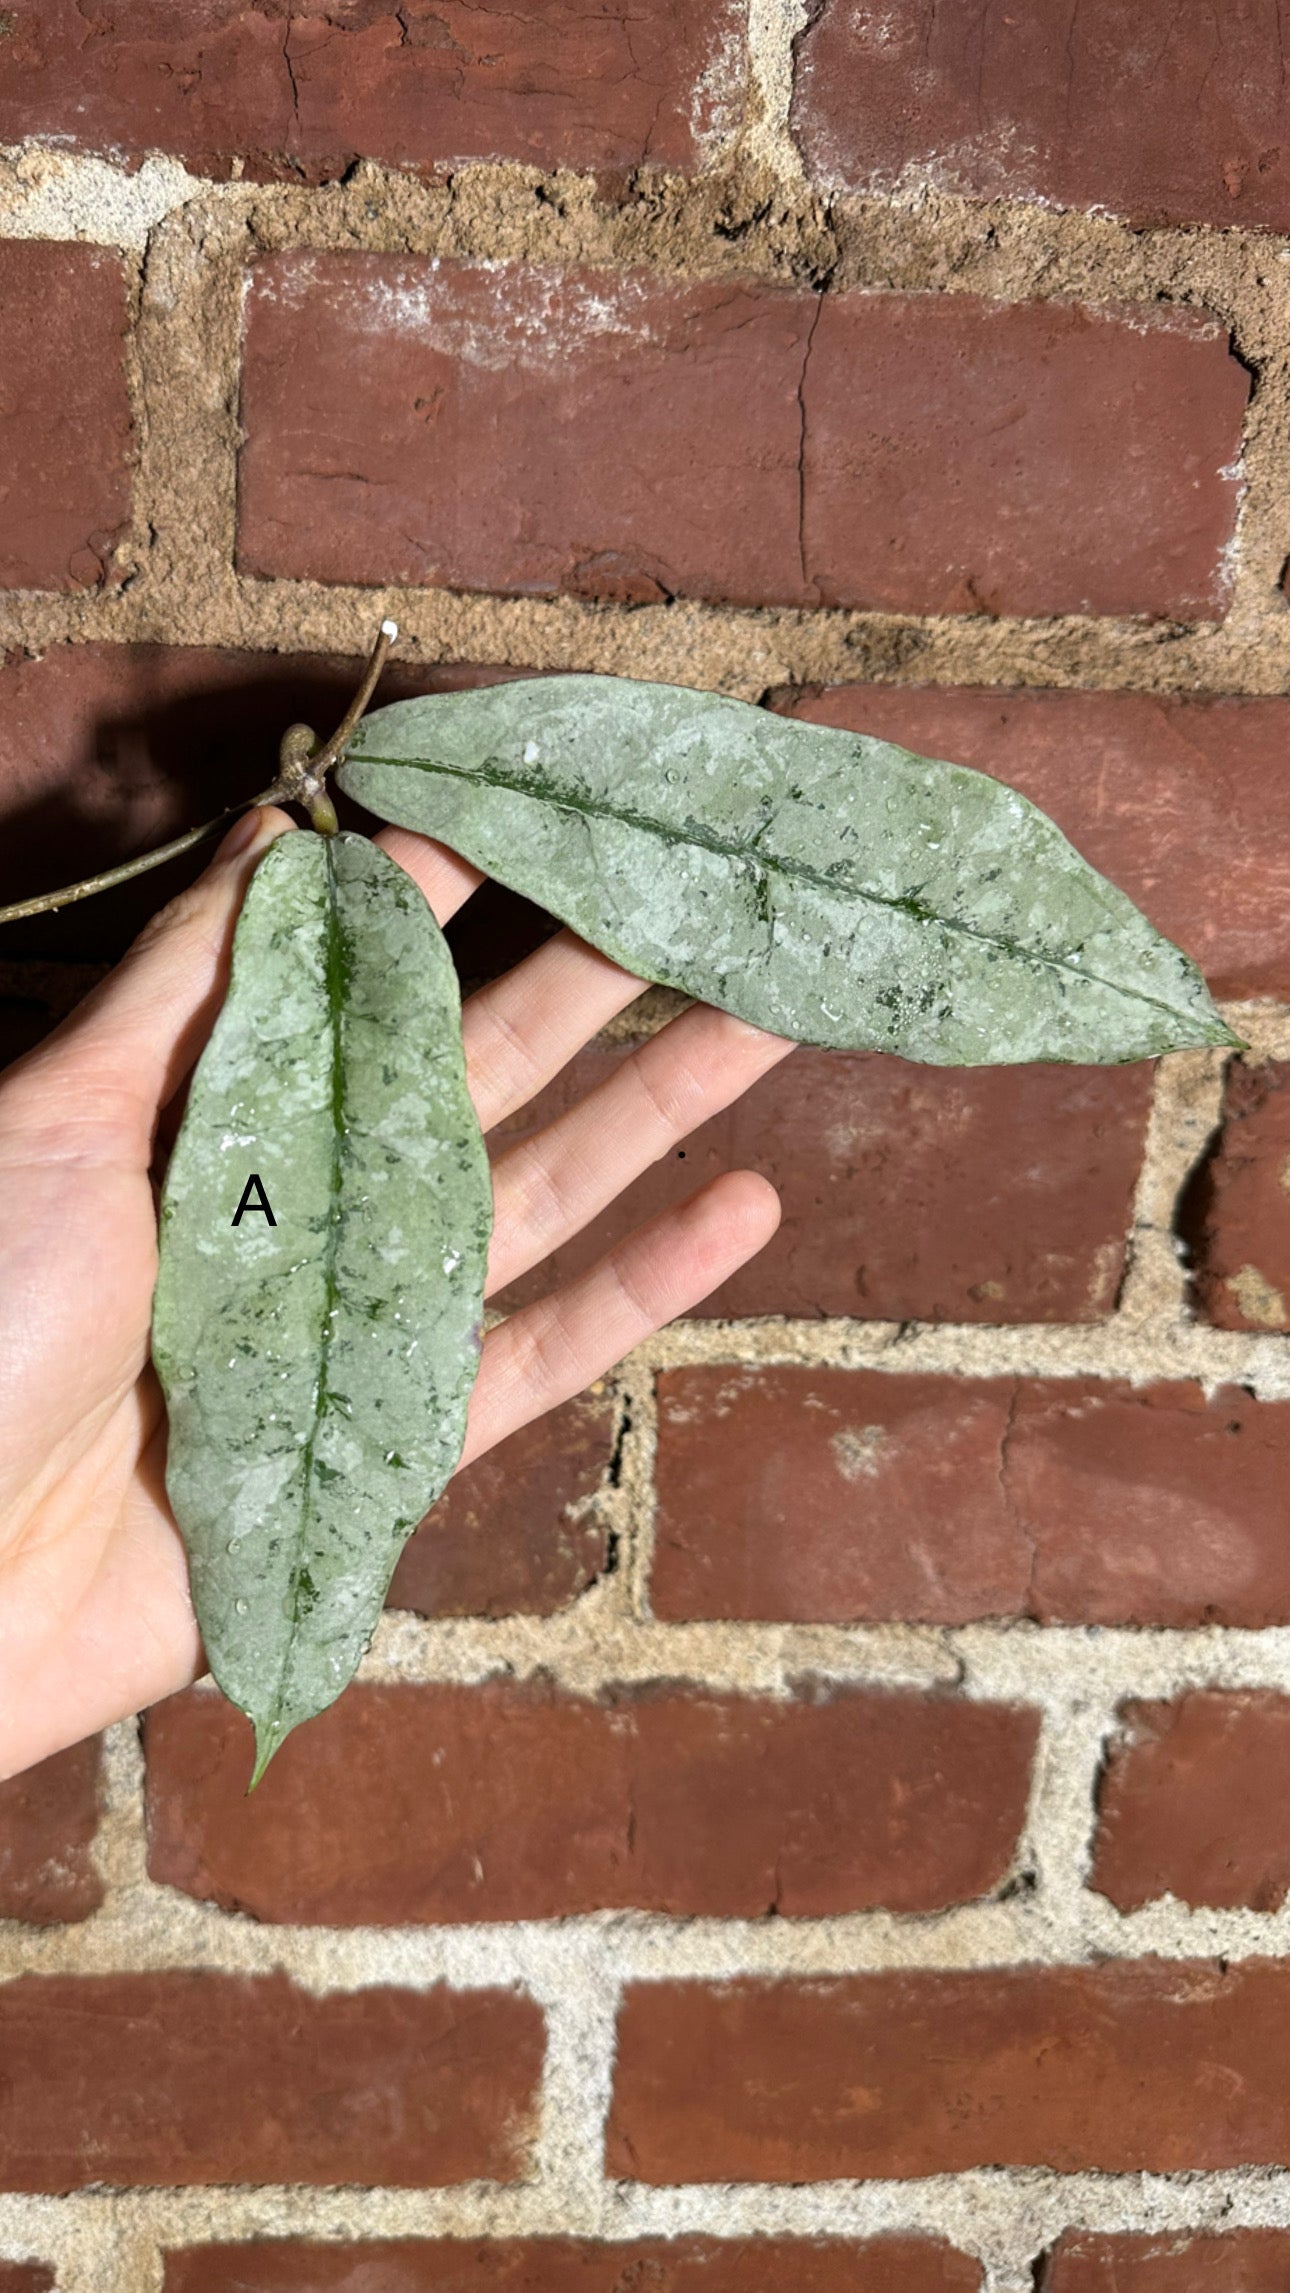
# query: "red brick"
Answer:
x=965 y=456
x=1134 y=2066
x=937 y=454
x=1235 y=1215
x=1153 y=112
x=33 y=2277
x=305 y=90
x=106 y=750
x=566 y=2265
x=997 y=1194
x=173 y=2079
x=66 y=435
x=1195 y=1802
x=1244 y=2261
x=1182 y=802
x=489 y=454
x=852 y=1496
x=833 y=1496
x=1152 y=1504
x=518 y=1802
x=48 y=1819
x=514 y=1532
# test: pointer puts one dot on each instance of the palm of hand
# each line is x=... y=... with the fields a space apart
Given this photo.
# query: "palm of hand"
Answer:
x=95 y=1619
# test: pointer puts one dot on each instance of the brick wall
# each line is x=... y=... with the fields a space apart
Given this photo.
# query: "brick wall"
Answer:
x=815 y=1813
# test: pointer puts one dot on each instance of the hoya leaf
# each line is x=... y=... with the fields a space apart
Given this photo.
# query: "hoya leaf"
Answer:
x=317 y=1369
x=827 y=886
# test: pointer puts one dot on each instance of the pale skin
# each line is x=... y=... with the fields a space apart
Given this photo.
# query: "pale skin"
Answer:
x=95 y=1618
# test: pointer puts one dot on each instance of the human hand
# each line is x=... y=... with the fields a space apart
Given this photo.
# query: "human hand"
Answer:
x=95 y=1616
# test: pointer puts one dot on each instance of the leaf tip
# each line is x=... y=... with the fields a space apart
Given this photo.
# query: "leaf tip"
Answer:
x=268 y=1740
x=1213 y=1034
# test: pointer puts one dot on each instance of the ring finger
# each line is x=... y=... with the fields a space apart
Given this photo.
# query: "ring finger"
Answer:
x=550 y=1186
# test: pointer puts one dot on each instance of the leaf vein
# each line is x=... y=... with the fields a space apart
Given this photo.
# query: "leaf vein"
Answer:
x=335 y=971
x=908 y=904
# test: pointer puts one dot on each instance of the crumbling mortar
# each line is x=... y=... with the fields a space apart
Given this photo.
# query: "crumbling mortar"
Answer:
x=607 y=1591
x=592 y=1645
x=577 y=2085
x=120 y=1843
x=1110 y=1349
x=1006 y=2220
x=773 y=29
x=131 y=550
x=1062 y=1821
x=1186 y=1107
x=189 y=345
x=189 y=592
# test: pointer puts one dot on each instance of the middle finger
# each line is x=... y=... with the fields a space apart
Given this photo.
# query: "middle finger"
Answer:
x=520 y=1030
x=548 y=1187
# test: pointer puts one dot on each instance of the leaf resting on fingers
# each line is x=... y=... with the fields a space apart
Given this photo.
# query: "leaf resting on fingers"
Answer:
x=317 y=1371
x=824 y=885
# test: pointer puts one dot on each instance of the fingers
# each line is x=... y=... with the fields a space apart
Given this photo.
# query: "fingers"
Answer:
x=126 y=1048
x=550 y=1351
x=550 y=1186
x=520 y=1030
x=446 y=880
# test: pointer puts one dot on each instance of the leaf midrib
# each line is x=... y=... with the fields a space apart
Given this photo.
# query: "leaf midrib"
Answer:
x=494 y=776
x=333 y=987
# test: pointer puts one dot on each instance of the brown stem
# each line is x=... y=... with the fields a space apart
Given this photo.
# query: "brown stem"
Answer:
x=303 y=766
x=83 y=891
x=302 y=771
x=332 y=751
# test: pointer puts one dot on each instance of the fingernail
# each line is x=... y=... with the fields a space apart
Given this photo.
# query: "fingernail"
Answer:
x=240 y=838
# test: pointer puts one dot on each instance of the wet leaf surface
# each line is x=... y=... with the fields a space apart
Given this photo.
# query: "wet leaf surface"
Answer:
x=827 y=886
x=317 y=1370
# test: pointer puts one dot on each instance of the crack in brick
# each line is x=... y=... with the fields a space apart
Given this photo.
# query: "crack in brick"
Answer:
x=801 y=440
x=291 y=69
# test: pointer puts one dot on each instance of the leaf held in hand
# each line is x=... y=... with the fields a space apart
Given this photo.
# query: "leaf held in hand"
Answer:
x=317 y=1370
x=824 y=885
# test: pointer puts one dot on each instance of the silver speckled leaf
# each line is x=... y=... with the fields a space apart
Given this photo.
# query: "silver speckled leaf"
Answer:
x=824 y=885
x=317 y=1371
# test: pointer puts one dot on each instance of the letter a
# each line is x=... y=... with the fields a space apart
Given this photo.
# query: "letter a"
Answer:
x=247 y=1203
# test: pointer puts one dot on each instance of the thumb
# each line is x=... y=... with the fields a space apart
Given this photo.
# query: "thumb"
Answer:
x=126 y=1049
